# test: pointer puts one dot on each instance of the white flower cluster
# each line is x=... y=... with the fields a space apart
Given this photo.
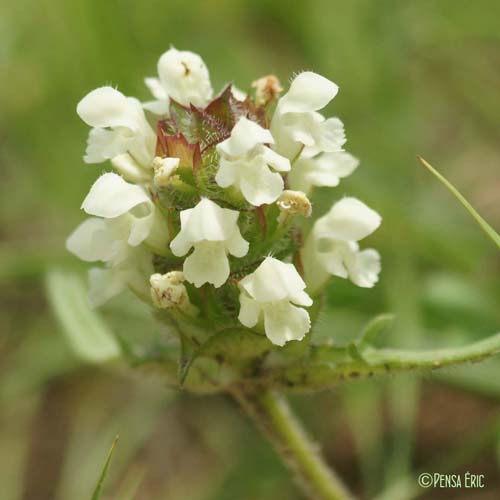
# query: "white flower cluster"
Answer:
x=129 y=229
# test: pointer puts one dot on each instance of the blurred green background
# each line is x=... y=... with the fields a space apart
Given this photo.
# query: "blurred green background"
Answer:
x=416 y=77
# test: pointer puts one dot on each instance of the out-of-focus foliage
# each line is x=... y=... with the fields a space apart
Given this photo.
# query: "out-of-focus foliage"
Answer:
x=416 y=78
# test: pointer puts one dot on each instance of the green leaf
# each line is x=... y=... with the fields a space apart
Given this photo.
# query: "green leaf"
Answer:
x=225 y=109
x=374 y=328
x=235 y=344
x=97 y=492
x=86 y=333
x=490 y=232
x=354 y=352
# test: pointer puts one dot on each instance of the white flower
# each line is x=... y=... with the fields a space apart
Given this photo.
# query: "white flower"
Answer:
x=184 y=77
x=124 y=217
x=130 y=273
x=114 y=227
x=334 y=242
x=272 y=290
x=120 y=126
x=296 y=123
x=245 y=163
x=324 y=170
x=213 y=232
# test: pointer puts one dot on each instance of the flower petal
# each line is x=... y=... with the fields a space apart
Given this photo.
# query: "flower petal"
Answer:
x=259 y=185
x=330 y=136
x=180 y=245
x=91 y=241
x=365 y=268
x=236 y=245
x=184 y=77
x=103 y=144
x=207 y=264
x=272 y=281
x=334 y=258
x=208 y=221
x=107 y=107
x=111 y=196
x=105 y=284
x=155 y=87
x=140 y=228
x=249 y=311
x=324 y=170
x=157 y=107
x=226 y=174
x=349 y=220
x=129 y=169
x=284 y=322
x=276 y=161
x=308 y=92
x=301 y=299
x=245 y=135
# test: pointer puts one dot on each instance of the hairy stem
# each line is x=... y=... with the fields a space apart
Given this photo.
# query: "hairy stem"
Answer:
x=325 y=370
x=272 y=414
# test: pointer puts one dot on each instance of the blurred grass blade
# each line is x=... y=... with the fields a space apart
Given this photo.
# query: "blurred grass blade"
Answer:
x=87 y=334
x=495 y=237
x=97 y=492
x=362 y=405
x=131 y=483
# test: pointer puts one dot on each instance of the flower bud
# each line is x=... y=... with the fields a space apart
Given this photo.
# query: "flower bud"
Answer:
x=294 y=203
x=184 y=77
x=168 y=290
x=267 y=90
x=163 y=168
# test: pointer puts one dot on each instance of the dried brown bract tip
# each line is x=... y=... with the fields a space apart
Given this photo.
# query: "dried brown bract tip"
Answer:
x=267 y=90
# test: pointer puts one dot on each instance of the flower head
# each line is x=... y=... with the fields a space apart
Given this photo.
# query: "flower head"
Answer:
x=246 y=163
x=184 y=77
x=271 y=291
x=229 y=189
x=213 y=232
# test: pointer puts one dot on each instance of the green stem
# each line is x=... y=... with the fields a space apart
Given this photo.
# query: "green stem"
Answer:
x=326 y=369
x=272 y=414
